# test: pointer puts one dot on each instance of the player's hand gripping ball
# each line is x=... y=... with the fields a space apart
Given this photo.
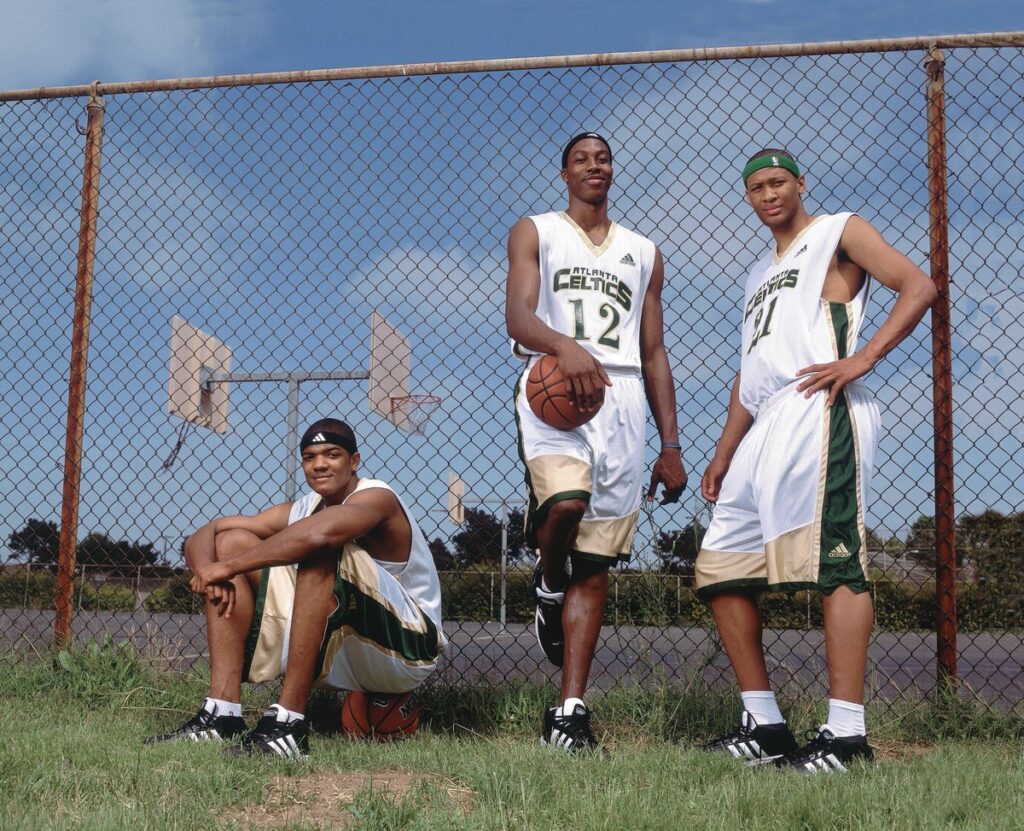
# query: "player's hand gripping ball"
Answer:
x=549 y=398
x=379 y=716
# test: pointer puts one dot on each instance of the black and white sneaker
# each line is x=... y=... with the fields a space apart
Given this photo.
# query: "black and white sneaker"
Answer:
x=547 y=622
x=204 y=726
x=757 y=743
x=270 y=737
x=827 y=752
x=571 y=732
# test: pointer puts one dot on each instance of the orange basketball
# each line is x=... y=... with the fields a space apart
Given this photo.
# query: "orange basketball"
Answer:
x=549 y=399
x=380 y=716
x=354 y=719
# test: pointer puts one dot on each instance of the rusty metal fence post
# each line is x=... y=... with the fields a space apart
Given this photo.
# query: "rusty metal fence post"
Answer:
x=77 y=371
x=942 y=375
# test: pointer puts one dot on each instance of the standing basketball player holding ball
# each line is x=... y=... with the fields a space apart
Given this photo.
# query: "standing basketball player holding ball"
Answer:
x=588 y=291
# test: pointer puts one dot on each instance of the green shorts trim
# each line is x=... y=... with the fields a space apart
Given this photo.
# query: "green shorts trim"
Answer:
x=373 y=621
x=257 y=620
x=839 y=561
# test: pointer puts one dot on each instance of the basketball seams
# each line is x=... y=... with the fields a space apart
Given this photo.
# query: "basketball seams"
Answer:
x=363 y=717
x=549 y=398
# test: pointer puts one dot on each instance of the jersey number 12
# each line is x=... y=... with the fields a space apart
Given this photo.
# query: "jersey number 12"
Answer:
x=606 y=311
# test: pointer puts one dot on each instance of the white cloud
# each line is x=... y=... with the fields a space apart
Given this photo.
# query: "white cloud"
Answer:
x=78 y=41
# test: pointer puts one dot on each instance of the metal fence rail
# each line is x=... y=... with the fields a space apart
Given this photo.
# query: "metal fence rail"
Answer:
x=277 y=212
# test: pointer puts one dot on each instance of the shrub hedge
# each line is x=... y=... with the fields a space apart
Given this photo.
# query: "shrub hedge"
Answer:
x=638 y=598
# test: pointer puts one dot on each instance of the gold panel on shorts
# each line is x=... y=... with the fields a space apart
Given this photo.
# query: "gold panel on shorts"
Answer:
x=715 y=567
x=358 y=568
x=277 y=608
x=787 y=560
x=606 y=537
x=793 y=557
x=551 y=475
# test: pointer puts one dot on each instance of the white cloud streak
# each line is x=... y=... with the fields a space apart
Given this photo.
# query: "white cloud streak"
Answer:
x=78 y=41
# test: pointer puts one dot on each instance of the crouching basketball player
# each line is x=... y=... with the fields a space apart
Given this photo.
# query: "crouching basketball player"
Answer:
x=588 y=291
x=337 y=589
x=792 y=468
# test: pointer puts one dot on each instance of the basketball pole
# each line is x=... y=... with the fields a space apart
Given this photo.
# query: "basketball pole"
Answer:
x=293 y=379
x=503 y=597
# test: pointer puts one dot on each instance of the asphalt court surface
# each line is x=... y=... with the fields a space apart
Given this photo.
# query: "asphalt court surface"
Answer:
x=900 y=665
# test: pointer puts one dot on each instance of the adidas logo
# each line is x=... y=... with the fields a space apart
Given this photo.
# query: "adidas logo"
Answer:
x=839 y=551
x=628 y=260
x=801 y=251
x=318 y=438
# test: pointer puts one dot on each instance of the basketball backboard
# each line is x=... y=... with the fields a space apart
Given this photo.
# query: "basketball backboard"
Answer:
x=195 y=356
x=389 y=371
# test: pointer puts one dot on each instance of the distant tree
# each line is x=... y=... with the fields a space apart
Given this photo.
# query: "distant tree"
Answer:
x=444 y=560
x=995 y=544
x=921 y=545
x=479 y=541
x=37 y=542
x=517 y=547
x=678 y=549
x=876 y=542
x=97 y=549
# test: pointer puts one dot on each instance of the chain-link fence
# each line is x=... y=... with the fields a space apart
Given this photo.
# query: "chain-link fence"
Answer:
x=277 y=217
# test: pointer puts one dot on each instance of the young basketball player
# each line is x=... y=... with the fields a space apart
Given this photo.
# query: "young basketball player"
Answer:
x=336 y=589
x=792 y=468
x=588 y=291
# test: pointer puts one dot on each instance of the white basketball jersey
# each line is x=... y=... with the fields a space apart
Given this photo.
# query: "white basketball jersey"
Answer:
x=593 y=293
x=417 y=576
x=787 y=326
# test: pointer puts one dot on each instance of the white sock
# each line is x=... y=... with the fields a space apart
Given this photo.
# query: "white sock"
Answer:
x=286 y=715
x=568 y=706
x=761 y=704
x=220 y=707
x=845 y=718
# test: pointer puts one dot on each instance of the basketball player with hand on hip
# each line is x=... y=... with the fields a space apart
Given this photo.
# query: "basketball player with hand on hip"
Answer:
x=791 y=470
x=588 y=291
x=337 y=589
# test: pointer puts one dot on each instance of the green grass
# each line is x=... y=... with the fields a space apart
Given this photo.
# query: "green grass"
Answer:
x=72 y=758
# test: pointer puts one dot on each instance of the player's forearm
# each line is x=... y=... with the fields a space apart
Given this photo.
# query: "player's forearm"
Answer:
x=913 y=301
x=738 y=422
x=661 y=395
x=286 y=547
x=530 y=332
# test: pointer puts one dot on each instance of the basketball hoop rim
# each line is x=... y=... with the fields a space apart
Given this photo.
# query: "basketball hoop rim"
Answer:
x=414 y=398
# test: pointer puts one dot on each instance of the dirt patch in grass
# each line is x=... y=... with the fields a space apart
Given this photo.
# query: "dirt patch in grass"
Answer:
x=899 y=751
x=321 y=800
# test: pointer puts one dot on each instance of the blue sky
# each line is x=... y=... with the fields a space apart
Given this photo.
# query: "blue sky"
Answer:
x=396 y=196
x=77 y=41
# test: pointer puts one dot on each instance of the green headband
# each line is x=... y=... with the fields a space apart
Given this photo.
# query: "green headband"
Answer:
x=770 y=160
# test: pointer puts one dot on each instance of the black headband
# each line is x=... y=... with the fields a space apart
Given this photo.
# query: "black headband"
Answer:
x=580 y=137
x=327 y=437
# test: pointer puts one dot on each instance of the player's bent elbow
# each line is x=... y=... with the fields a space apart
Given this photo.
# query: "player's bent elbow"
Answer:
x=325 y=539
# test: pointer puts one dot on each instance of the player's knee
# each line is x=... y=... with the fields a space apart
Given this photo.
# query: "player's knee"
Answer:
x=234 y=542
x=567 y=512
x=586 y=570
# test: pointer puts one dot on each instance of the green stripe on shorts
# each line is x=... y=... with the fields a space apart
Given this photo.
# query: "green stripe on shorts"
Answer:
x=839 y=558
x=375 y=622
x=257 y=619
